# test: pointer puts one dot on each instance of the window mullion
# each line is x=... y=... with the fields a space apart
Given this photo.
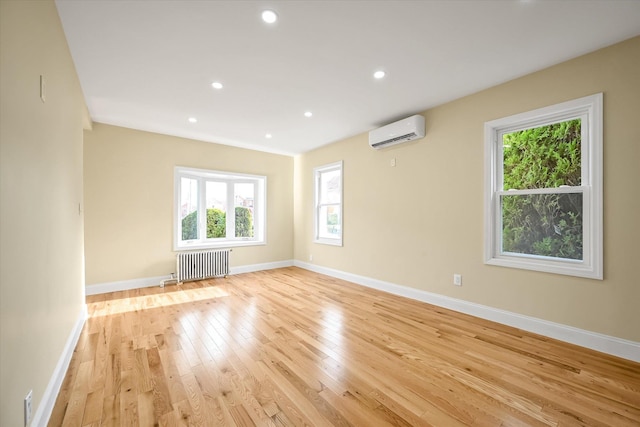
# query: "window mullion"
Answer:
x=202 y=209
x=231 y=211
x=256 y=208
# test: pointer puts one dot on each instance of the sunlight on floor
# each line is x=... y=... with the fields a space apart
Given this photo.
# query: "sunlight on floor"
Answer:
x=135 y=303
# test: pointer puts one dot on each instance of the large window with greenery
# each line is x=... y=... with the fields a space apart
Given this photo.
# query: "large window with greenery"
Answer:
x=543 y=189
x=328 y=204
x=215 y=209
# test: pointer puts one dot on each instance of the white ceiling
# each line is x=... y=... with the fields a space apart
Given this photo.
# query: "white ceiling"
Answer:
x=149 y=64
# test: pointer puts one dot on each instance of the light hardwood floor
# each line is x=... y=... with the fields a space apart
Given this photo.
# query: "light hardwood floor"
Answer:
x=289 y=347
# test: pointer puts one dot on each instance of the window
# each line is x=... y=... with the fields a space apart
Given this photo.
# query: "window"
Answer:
x=328 y=204
x=216 y=209
x=543 y=189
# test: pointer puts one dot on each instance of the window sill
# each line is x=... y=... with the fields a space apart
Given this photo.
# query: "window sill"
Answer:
x=219 y=245
x=568 y=268
x=330 y=242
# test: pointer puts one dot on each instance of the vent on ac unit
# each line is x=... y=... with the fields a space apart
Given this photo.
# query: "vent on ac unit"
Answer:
x=395 y=133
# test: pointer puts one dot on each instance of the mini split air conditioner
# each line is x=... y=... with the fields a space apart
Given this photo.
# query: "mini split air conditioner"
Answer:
x=395 y=133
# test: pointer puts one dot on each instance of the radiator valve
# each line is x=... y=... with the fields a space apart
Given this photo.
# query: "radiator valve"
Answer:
x=171 y=281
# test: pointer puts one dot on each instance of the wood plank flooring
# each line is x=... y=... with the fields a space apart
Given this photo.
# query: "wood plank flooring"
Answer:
x=289 y=347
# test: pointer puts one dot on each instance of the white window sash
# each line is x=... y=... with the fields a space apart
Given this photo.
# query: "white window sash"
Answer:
x=319 y=204
x=585 y=191
x=202 y=177
x=589 y=110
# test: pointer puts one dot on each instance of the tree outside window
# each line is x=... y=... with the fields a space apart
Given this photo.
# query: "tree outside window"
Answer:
x=543 y=224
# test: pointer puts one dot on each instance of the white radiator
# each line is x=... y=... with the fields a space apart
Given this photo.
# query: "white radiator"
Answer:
x=202 y=264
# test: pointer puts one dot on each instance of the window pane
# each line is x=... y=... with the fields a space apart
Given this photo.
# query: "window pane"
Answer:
x=329 y=222
x=244 y=194
x=330 y=187
x=189 y=208
x=216 y=196
x=543 y=157
x=543 y=224
x=218 y=209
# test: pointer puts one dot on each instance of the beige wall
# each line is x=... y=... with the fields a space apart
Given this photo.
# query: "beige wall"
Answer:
x=420 y=222
x=41 y=266
x=414 y=225
x=129 y=200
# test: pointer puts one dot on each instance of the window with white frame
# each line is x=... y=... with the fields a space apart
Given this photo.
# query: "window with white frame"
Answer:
x=328 y=204
x=543 y=189
x=215 y=209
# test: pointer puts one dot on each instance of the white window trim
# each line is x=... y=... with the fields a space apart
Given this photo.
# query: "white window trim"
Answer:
x=316 y=183
x=589 y=109
x=260 y=210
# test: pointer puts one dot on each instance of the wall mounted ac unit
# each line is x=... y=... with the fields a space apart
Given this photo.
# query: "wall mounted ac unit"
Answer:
x=395 y=133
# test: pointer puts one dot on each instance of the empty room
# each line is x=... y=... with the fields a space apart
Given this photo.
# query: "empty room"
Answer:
x=319 y=213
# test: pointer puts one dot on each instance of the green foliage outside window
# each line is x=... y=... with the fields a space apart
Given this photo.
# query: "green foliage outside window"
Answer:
x=543 y=224
x=190 y=226
x=217 y=224
x=244 y=222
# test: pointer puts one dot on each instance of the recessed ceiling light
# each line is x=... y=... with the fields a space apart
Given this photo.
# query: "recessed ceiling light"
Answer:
x=269 y=16
x=216 y=85
x=268 y=136
x=308 y=114
x=192 y=120
x=379 y=74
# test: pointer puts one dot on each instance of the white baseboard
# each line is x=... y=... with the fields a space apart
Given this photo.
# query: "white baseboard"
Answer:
x=125 y=285
x=146 y=282
x=43 y=413
x=259 y=267
x=604 y=343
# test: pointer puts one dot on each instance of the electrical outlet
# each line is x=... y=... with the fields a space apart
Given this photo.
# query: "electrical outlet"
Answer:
x=27 y=408
x=457 y=279
x=310 y=257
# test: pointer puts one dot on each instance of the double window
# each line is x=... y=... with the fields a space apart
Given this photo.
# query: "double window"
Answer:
x=215 y=209
x=328 y=204
x=543 y=189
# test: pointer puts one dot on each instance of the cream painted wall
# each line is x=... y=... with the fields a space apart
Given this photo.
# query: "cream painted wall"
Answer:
x=41 y=229
x=420 y=222
x=129 y=200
